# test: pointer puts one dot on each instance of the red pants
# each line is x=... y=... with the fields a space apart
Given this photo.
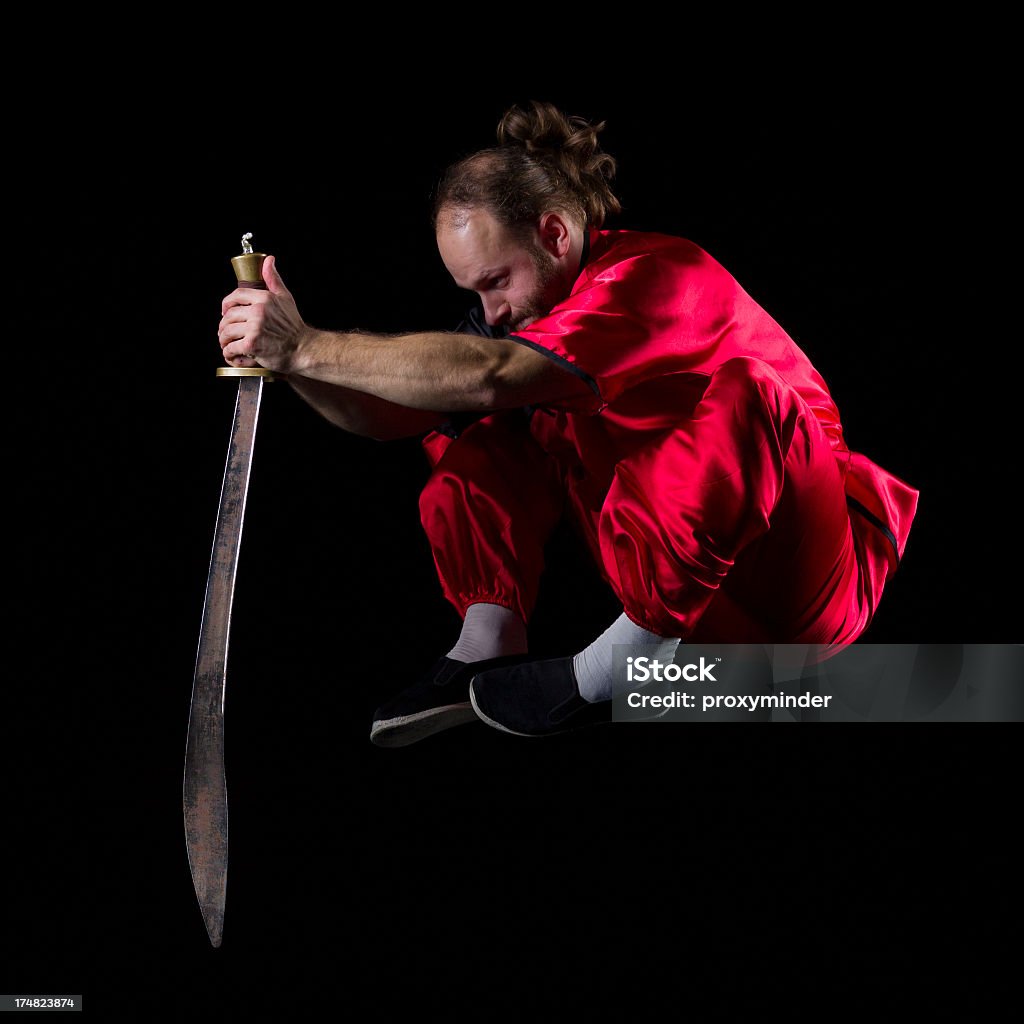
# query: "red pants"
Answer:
x=731 y=527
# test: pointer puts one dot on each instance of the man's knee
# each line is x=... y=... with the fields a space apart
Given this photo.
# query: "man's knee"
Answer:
x=463 y=464
x=758 y=404
x=495 y=461
x=750 y=383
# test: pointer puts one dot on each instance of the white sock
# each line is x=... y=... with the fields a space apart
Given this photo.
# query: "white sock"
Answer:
x=489 y=631
x=593 y=665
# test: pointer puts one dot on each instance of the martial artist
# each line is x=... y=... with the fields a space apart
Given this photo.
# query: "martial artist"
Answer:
x=624 y=379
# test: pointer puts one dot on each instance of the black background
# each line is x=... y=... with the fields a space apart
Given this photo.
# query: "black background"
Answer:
x=476 y=870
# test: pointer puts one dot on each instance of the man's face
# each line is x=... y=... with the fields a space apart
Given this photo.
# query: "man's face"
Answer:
x=518 y=282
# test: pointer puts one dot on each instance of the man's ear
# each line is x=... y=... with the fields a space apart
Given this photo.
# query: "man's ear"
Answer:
x=553 y=230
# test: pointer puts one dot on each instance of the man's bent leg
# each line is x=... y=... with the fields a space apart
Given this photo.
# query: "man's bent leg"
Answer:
x=734 y=527
x=492 y=500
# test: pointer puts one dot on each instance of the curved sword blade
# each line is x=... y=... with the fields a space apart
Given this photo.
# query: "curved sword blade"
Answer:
x=205 y=794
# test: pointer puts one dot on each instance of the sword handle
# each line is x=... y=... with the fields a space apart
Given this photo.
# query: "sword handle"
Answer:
x=248 y=268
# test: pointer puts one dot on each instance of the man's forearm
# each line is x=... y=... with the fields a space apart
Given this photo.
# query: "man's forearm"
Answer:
x=427 y=371
x=434 y=371
x=361 y=413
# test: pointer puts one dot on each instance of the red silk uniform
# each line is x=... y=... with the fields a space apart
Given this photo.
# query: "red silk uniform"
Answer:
x=706 y=468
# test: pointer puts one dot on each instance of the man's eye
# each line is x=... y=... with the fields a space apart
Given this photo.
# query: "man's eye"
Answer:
x=499 y=282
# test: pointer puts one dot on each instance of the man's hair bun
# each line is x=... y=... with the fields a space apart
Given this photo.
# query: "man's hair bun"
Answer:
x=544 y=160
x=571 y=145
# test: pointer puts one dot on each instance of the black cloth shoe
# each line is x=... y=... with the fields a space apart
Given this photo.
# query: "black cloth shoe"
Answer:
x=537 y=698
x=438 y=700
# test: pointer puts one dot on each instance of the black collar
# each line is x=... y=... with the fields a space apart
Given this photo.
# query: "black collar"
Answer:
x=586 y=249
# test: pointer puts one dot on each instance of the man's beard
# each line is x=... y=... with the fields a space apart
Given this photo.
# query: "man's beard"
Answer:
x=546 y=295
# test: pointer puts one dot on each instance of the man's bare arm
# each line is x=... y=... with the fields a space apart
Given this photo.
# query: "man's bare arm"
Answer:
x=432 y=371
x=362 y=413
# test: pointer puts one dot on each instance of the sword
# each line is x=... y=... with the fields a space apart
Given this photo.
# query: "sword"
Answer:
x=205 y=795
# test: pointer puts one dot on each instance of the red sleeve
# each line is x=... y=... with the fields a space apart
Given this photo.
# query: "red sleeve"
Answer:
x=644 y=306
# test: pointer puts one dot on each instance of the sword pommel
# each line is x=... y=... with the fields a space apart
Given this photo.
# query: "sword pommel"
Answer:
x=249 y=265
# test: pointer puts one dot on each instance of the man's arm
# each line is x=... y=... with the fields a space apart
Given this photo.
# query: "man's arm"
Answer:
x=432 y=371
x=362 y=413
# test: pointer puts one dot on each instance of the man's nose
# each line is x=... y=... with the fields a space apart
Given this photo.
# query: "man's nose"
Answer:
x=496 y=311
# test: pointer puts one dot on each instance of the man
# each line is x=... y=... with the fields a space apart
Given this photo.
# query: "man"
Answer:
x=624 y=378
